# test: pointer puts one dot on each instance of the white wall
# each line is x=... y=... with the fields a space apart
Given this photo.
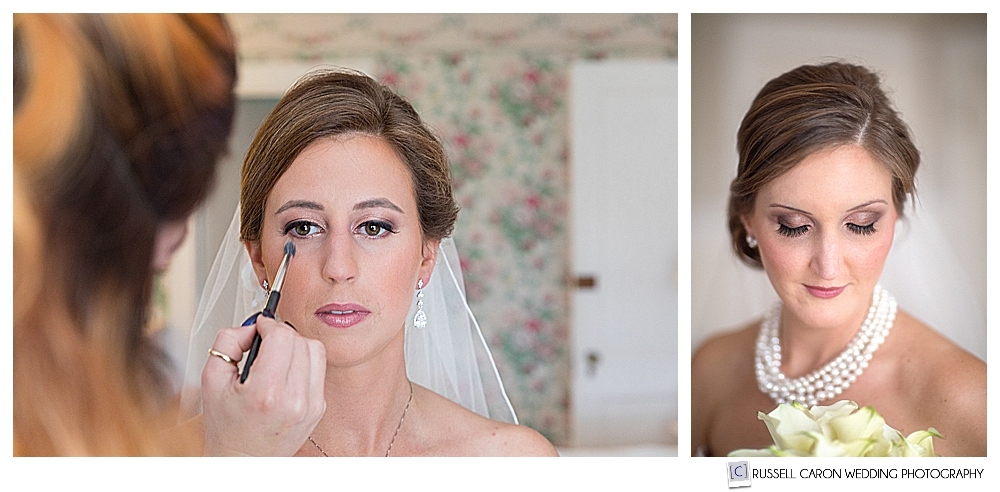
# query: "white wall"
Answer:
x=934 y=67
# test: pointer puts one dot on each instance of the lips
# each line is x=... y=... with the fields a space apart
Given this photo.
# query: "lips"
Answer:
x=342 y=315
x=825 y=292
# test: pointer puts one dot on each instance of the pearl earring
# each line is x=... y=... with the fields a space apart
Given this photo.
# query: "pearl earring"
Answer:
x=752 y=242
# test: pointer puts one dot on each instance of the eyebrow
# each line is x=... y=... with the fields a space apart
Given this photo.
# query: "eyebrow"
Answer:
x=863 y=205
x=299 y=204
x=870 y=202
x=371 y=203
x=377 y=203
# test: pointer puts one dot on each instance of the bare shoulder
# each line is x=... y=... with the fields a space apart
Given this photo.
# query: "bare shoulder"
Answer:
x=722 y=355
x=724 y=346
x=719 y=369
x=947 y=368
x=516 y=440
x=453 y=430
x=950 y=383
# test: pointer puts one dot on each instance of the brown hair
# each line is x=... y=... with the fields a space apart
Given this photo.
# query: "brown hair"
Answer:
x=119 y=121
x=812 y=108
x=329 y=103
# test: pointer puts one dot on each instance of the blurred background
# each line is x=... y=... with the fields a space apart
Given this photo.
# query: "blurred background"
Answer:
x=933 y=66
x=562 y=135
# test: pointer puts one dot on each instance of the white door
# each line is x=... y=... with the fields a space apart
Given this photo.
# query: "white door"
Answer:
x=624 y=178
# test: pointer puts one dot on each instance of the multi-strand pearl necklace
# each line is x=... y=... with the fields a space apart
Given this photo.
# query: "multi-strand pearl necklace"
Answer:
x=836 y=376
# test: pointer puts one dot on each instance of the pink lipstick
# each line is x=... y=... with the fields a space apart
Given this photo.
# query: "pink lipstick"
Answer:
x=825 y=292
x=342 y=315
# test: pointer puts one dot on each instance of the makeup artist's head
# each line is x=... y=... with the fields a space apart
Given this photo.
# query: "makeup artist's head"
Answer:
x=825 y=168
x=119 y=121
x=345 y=167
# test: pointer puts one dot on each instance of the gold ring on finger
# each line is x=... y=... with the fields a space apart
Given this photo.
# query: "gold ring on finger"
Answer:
x=222 y=356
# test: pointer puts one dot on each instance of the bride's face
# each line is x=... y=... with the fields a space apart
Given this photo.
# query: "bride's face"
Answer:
x=824 y=229
x=348 y=205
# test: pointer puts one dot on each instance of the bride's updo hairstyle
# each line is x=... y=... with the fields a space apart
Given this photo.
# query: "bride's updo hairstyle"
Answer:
x=332 y=103
x=809 y=109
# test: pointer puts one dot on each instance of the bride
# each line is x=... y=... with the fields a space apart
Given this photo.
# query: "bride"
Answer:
x=825 y=168
x=346 y=170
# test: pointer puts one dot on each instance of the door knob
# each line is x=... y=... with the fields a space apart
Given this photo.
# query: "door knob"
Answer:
x=585 y=282
x=593 y=358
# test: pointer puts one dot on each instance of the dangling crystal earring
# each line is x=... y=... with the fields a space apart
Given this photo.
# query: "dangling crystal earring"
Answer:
x=752 y=242
x=267 y=288
x=420 y=319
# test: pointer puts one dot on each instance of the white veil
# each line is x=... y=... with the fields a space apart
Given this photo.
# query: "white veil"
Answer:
x=449 y=356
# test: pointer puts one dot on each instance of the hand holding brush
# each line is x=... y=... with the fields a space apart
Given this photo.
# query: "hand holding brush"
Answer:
x=270 y=307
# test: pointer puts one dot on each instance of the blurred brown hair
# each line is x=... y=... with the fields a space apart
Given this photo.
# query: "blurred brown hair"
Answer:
x=332 y=103
x=119 y=121
x=812 y=108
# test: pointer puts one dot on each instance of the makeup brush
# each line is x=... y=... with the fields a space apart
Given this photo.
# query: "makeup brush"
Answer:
x=272 y=304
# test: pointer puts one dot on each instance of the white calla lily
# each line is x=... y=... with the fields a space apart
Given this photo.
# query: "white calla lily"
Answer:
x=863 y=424
x=790 y=426
x=840 y=429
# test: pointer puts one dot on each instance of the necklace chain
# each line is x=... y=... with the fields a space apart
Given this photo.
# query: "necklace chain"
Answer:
x=837 y=375
x=394 y=434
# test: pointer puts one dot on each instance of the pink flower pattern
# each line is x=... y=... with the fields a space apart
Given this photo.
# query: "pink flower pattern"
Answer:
x=504 y=123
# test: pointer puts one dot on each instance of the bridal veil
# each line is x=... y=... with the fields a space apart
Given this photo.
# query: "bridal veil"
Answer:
x=449 y=356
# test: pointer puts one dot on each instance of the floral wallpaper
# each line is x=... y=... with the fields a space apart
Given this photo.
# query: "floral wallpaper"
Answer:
x=494 y=87
x=504 y=126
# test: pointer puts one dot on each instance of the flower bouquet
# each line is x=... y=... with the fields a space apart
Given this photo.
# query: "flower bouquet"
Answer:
x=840 y=429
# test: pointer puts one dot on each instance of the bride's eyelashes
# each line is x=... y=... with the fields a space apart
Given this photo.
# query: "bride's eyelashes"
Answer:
x=863 y=223
x=788 y=231
x=371 y=229
x=302 y=228
x=374 y=229
x=864 y=230
x=859 y=229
